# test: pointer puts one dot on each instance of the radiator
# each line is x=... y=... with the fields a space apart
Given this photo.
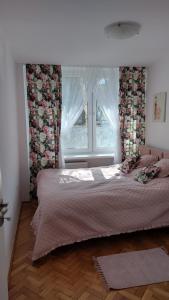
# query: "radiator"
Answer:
x=76 y=164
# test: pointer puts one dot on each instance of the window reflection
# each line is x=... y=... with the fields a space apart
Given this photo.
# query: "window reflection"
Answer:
x=95 y=174
x=76 y=175
x=111 y=172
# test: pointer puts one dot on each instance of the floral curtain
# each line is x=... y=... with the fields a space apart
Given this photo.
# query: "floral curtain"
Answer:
x=44 y=102
x=132 y=109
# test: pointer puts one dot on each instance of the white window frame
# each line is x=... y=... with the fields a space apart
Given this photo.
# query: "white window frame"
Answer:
x=91 y=126
x=95 y=149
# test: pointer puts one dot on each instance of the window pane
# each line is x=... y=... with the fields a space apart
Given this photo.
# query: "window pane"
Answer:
x=78 y=136
x=104 y=131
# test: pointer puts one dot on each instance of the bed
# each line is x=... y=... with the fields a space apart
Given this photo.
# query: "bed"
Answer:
x=80 y=204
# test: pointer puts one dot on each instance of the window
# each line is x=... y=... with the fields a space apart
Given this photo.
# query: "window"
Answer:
x=92 y=132
x=77 y=139
x=104 y=131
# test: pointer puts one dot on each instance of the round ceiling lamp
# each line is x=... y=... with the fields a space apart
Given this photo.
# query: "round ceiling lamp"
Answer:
x=122 y=30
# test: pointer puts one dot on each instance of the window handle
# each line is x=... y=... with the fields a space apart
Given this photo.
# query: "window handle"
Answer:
x=3 y=205
x=3 y=211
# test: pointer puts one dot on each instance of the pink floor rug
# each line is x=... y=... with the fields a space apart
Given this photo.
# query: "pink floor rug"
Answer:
x=134 y=268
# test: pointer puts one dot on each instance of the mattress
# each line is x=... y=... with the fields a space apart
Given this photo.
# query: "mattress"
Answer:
x=76 y=205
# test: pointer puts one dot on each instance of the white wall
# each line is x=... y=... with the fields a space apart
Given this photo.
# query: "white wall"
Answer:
x=9 y=146
x=157 y=134
x=23 y=121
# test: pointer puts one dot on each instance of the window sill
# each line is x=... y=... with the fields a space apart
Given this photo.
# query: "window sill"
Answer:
x=88 y=156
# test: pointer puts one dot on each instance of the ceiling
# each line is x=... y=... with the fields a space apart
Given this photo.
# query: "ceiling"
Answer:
x=71 y=32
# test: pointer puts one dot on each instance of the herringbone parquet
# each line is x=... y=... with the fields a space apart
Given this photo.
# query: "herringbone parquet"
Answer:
x=69 y=273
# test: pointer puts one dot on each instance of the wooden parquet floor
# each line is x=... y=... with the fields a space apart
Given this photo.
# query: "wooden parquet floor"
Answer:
x=68 y=273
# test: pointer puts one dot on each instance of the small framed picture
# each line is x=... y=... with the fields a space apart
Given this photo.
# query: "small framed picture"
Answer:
x=159 y=107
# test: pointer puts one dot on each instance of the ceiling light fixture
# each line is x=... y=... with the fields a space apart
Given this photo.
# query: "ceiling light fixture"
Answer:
x=122 y=30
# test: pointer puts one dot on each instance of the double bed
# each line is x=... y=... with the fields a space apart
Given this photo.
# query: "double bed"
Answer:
x=80 y=204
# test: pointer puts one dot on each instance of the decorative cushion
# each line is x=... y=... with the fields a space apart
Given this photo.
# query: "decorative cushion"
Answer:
x=163 y=164
x=146 y=174
x=147 y=160
x=129 y=164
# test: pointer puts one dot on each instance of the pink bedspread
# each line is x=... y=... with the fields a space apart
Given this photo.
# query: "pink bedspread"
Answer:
x=76 y=205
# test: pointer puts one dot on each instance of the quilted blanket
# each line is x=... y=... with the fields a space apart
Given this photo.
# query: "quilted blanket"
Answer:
x=76 y=205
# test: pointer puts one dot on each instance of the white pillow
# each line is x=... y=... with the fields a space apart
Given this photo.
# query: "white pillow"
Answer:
x=163 y=164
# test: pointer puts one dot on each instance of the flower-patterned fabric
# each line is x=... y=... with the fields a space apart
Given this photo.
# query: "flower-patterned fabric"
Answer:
x=146 y=174
x=132 y=109
x=129 y=164
x=44 y=102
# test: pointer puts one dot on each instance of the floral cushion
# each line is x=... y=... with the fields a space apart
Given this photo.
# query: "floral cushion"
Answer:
x=146 y=174
x=129 y=164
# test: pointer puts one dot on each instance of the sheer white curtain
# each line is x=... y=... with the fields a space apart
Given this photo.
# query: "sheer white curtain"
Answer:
x=72 y=107
x=79 y=85
x=106 y=92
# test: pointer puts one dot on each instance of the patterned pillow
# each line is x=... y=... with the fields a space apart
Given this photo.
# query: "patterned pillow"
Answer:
x=146 y=174
x=129 y=164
